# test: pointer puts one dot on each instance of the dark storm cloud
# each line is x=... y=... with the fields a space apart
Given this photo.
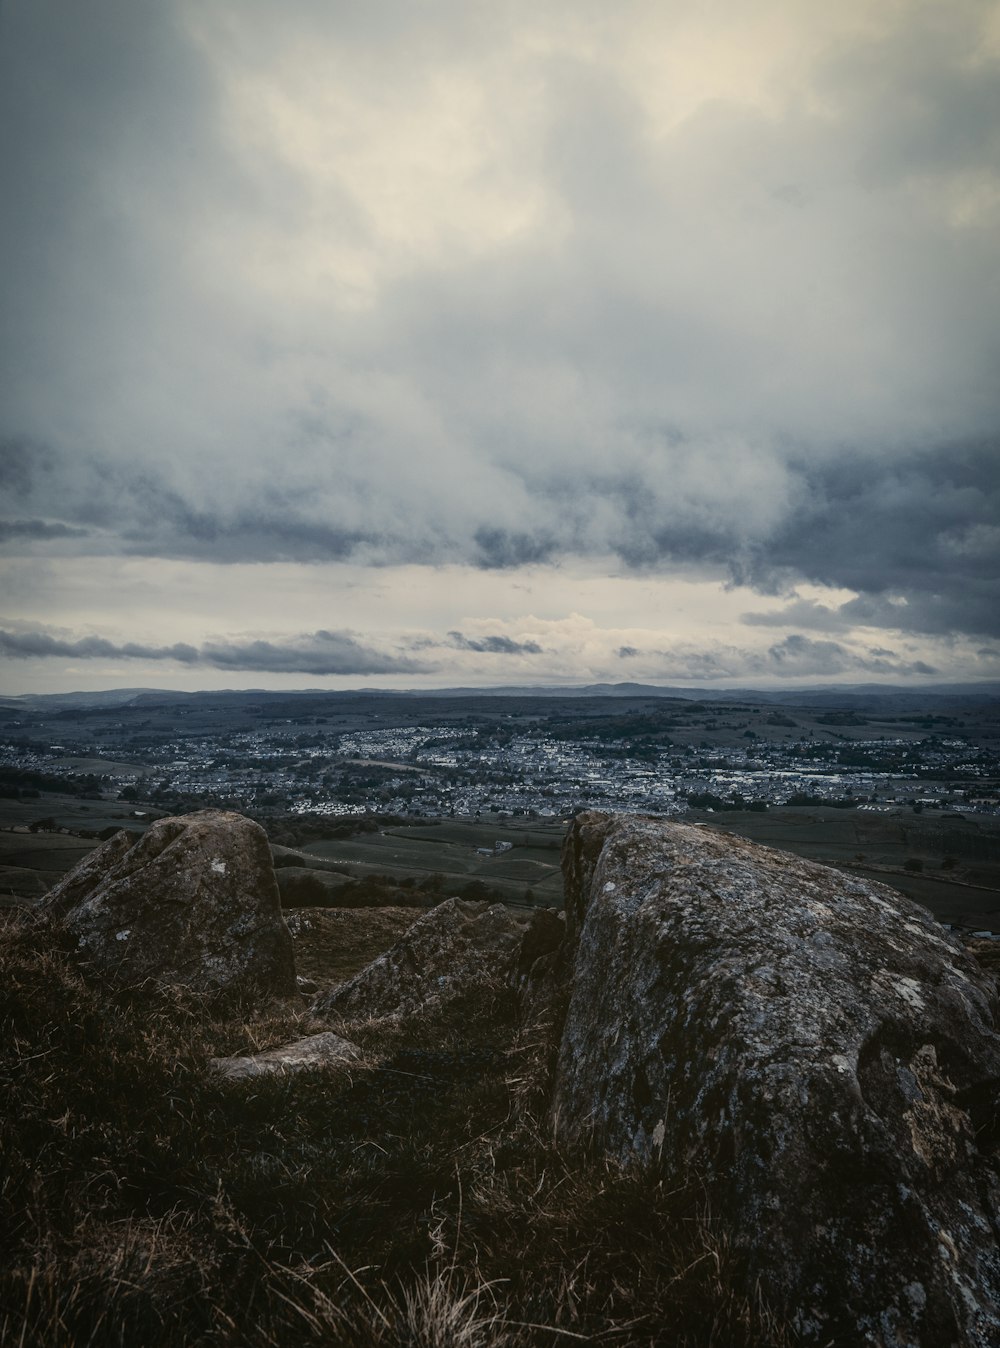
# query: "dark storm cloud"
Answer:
x=794 y=657
x=937 y=103
x=319 y=653
x=44 y=530
x=247 y=536
x=499 y=549
x=920 y=541
x=21 y=463
x=34 y=645
x=801 y=613
x=753 y=337
x=933 y=615
x=494 y=645
x=800 y=655
x=139 y=514
x=106 y=120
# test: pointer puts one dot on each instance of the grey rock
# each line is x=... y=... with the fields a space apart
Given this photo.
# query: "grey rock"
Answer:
x=449 y=953
x=317 y=1052
x=811 y=1047
x=192 y=902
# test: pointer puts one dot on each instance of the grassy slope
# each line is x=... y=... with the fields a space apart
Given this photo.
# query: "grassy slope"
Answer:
x=30 y=863
x=450 y=850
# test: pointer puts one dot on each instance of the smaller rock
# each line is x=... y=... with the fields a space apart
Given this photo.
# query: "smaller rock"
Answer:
x=315 y=1052
x=307 y=986
x=192 y=902
x=458 y=951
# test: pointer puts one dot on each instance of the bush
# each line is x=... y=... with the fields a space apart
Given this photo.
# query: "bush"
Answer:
x=302 y=889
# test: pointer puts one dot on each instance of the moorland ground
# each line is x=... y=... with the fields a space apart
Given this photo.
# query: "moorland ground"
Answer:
x=417 y=1198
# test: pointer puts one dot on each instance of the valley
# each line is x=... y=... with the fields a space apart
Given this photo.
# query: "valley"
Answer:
x=382 y=797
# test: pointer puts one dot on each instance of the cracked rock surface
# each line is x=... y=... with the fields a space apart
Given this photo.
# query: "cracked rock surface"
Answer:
x=192 y=902
x=815 y=1048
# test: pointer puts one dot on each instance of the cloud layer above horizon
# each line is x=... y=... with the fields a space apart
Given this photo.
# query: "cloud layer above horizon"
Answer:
x=688 y=297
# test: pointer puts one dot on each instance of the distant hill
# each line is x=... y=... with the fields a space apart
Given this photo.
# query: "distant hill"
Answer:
x=882 y=695
x=111 y=697
x=852 y=695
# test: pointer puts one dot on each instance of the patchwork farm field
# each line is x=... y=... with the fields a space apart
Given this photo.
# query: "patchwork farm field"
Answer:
x=453 y=851
x=948 y=863
x=32 y=862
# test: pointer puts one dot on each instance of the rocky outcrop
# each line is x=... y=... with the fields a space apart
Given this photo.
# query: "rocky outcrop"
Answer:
x=458 y=951
x=317 y=1052
x=814 y=1049
x=193 y=901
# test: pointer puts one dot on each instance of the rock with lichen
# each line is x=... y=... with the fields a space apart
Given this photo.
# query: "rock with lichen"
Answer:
x=812 y=1048
x=192 y=902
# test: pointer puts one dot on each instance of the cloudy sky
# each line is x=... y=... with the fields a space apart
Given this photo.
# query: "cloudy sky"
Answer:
x=435 y=342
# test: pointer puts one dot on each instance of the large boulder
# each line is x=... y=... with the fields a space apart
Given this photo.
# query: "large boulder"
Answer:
x=813 y=1049
x=193 y=901
x=458 y=953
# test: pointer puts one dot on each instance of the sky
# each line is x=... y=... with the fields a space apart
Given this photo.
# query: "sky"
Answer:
x=441 y=342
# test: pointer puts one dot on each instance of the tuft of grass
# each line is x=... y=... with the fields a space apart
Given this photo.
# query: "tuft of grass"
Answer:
x=416 y=1200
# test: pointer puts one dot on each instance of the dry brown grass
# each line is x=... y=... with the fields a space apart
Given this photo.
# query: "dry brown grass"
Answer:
x=419 y=1201
x=333 y=944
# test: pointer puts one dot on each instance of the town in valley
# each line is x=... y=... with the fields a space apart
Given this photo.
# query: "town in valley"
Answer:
x=901 y=785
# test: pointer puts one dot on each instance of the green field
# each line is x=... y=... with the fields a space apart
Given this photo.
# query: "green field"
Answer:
x=948 y=863
x=32 y=862
x=958 y=859
x=449 y=850
x=74 y=813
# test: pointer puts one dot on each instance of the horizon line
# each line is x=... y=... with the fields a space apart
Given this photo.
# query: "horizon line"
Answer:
x=568 y=685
